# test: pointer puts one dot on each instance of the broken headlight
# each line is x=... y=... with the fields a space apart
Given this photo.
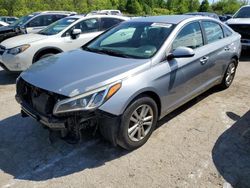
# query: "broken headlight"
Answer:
x=87 y=101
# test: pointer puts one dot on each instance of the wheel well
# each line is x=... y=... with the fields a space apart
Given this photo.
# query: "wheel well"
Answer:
x=152 y=95
x=42 y=52
x=237 y=59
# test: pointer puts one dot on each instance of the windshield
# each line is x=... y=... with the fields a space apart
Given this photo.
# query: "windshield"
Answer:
x=132 y=40
x=58 y=26
x=243 y=13
x=22 y=20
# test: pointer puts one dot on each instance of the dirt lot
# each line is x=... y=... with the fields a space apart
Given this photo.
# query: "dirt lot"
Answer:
x=203 y=144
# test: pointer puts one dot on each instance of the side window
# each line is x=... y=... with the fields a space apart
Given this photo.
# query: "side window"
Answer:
x=107 y=23
x=213 y=31
x=190 y=36
x=88 y=26
x=36 y=22
x=47 y=20
x=57 y=17
x=227 y=32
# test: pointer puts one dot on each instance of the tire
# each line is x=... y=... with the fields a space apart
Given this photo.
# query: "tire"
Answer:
x=45 y=56
x=229 y=75
x=136 y=125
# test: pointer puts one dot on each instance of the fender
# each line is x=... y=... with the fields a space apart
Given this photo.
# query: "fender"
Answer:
x=44 y=49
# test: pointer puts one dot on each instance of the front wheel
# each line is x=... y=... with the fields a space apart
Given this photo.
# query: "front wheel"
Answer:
x=45 y=56
x=138 y=123
x=229 y=75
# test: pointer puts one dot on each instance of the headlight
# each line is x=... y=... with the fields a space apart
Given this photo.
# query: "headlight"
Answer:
x=88 y=101
x=19 y=49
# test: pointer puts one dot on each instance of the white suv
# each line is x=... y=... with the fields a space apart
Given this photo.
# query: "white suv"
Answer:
x=18 y=53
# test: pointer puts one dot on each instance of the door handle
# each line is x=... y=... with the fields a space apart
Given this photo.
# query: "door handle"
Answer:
x=227 y=48
x=204 y=60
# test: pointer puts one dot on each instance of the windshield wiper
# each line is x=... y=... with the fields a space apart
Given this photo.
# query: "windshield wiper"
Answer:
x=108 y=52
x=114 y=53
x=92 y=50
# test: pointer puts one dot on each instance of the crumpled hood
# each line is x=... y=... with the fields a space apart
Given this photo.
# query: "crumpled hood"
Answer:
x=22 y=39
x=238 y=21
x=75 y=72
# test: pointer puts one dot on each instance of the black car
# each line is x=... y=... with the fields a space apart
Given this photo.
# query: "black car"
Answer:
x=32 y=23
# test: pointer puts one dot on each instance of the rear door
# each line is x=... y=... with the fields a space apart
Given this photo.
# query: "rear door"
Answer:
x=90 y=29
x=218 y=48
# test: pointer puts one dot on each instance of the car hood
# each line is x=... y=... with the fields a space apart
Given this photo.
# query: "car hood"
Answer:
x=6 y=29
x=76 y=72
x=22 y=39
x=238 y=21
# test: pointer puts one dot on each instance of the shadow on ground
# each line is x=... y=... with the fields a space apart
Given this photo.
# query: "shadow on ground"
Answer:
x=28 y=154
x=7 y=78
x=231 y=153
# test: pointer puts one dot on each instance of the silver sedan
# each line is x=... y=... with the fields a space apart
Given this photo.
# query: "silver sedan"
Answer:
x=130 y=77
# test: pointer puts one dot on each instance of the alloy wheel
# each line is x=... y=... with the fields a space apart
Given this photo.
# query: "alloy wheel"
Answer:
x=230 y=73
x=141 y=122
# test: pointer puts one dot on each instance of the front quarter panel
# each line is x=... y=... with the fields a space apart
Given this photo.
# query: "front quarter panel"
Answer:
x=154 y=79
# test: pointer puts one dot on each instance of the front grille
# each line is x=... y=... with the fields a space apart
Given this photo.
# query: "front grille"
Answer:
x=2 y=49
x=241 y=29
x=37 y=99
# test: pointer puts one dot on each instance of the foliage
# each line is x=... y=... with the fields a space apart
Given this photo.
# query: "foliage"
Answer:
x=204 y=6
x=227 y=6
x=134 y=7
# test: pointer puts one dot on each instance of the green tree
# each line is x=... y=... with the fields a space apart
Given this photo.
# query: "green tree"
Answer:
x=134 y=7
x=194 y=5
x=205 y=7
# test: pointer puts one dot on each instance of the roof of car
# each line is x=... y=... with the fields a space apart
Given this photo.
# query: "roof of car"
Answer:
x=171 y=19
x=100 y=15
x=53 y=12
x=201 y=13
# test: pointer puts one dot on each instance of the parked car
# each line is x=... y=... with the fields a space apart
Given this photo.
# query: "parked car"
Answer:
x=20 y=52
x=32 y=23
x=129 y=77
x=241 y=24
x=209 y=14
x=106 y=12
x=8 y=19
x=3 y=24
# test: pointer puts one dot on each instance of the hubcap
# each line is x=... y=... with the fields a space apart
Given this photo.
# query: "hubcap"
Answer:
x=230 y=74
x=140 y=123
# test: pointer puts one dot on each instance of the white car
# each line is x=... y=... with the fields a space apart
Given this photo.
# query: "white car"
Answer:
x=107 y=12
x=18 y=53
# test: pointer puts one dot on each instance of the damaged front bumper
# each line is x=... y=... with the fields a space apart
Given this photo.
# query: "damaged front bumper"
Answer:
x=75 y=122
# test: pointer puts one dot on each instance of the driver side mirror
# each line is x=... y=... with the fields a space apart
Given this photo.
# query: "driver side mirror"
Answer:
x=181 y=52
x=75 y=33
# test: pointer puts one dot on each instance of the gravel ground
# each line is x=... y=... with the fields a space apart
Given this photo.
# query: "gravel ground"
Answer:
x=205 y=143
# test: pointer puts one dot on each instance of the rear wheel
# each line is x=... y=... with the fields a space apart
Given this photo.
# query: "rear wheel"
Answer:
x=229 y=75
x=138 y=123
